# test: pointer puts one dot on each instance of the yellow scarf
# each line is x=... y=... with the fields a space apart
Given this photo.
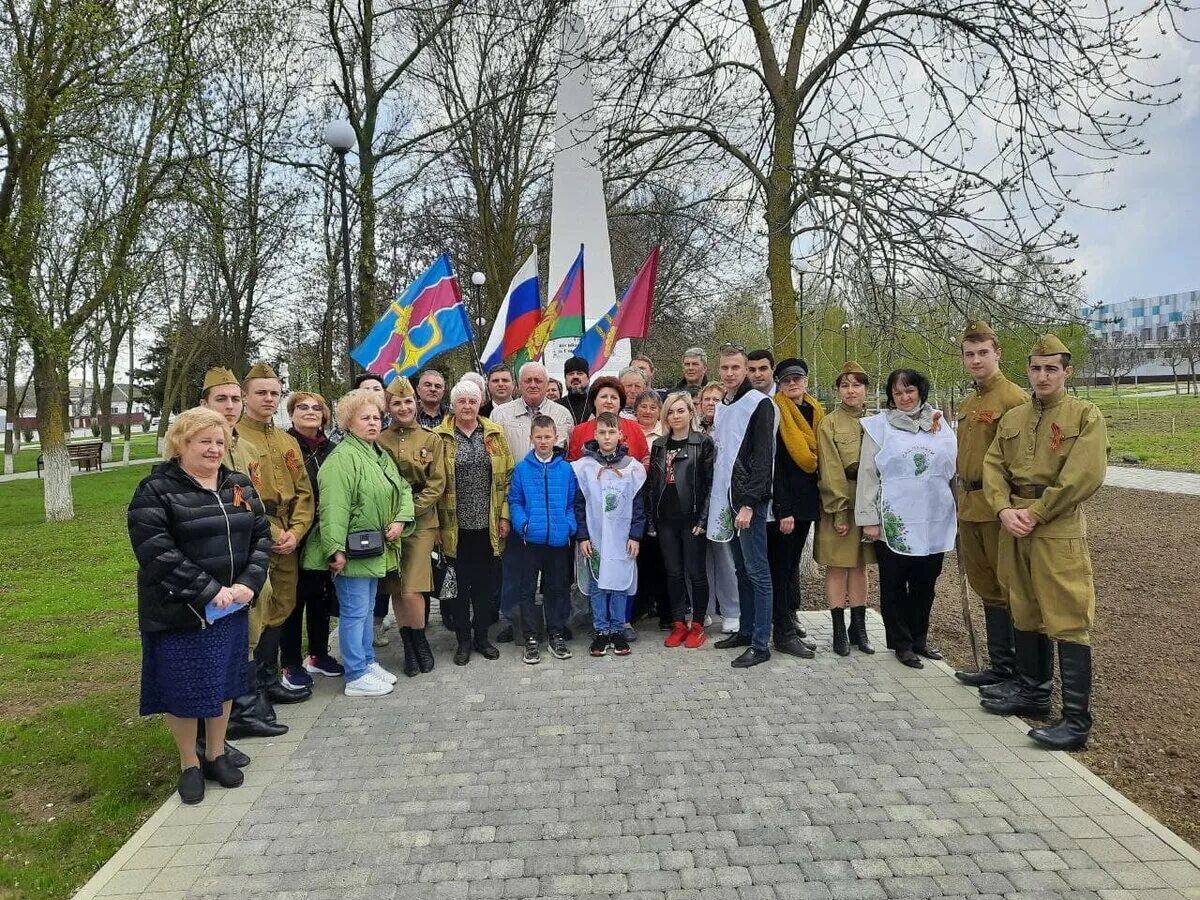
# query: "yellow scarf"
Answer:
x=799 y=437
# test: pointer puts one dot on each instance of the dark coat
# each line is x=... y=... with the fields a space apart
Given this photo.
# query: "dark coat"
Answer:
x=693 y=477
x=794 y=491
x=190 y=542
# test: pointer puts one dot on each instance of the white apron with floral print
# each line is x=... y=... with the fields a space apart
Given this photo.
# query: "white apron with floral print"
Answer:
x=609 y=495
x=729 y=430
x=917 y=512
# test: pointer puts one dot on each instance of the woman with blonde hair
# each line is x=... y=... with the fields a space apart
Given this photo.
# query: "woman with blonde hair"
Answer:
x=365 y=509
x=202 y=541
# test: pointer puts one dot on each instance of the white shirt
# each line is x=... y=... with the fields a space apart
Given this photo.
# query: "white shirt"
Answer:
x=515 y=418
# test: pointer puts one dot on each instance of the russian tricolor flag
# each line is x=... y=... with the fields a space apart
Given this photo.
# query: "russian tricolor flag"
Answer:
x=518 y=316
x=427 y=319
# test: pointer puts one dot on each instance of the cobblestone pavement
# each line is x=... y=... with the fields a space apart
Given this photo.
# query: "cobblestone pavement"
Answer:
x=1153 y=480
x=666 y=774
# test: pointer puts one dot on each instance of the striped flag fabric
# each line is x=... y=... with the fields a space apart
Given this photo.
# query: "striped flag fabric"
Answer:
x=518 y=316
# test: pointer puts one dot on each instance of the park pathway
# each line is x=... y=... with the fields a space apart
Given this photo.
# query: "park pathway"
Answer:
x=664 y=775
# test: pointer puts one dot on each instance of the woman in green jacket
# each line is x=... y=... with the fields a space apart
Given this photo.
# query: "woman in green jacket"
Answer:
x=362 y=496
x=473 y=516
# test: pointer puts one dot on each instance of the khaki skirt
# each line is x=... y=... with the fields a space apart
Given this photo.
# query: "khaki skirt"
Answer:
x=843 y=551
x=416 y=564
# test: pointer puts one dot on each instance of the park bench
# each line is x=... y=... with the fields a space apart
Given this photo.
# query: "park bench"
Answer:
x=85 y=454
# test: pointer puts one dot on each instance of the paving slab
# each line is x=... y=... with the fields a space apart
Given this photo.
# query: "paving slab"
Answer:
x=665 y=774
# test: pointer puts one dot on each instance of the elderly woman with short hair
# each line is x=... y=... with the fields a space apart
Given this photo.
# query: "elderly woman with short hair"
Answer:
x=365 y=509
x=473 y=516
x=202 y=542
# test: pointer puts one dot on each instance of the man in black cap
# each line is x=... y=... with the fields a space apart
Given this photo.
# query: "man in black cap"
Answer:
x=576 y=374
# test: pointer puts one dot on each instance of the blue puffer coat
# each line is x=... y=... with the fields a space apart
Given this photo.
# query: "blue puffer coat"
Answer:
x=541 y=499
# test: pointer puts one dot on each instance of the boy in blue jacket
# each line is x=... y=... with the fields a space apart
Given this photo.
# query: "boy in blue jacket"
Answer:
x=541 y=501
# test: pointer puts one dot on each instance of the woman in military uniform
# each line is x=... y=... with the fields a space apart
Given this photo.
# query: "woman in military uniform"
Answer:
x=420 y=459
x=839 y=544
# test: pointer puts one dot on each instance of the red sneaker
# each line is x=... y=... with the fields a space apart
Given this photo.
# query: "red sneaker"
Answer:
x=695 y=636
x=678 y=633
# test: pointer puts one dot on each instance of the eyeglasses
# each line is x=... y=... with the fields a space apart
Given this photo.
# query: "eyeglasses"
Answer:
x=308 y=407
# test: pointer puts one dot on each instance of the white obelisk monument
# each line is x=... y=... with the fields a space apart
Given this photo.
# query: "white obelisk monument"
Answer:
x=578 y=212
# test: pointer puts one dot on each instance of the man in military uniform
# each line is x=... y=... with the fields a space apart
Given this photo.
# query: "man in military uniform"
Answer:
x=281 y=480
x=1049 y=456
x=978 y=527
x=222 y=393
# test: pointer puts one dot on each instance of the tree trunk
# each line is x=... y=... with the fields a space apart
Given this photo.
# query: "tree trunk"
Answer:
x=106 y=393
x=129 y=405
x=12 y=406
x=48 y=386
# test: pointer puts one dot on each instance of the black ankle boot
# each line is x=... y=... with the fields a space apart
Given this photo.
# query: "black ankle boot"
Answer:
x=858 y=629
x=1035 y=679
x=999 y=629
x=841 y=642
x=266 y=656
x=244 y=721
x=483 y=646
x=462 y=655
x=411 y=668
x=1071 y=732
x=423 y=650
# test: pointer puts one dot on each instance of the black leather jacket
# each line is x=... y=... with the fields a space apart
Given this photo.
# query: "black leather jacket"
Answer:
x=693 y=478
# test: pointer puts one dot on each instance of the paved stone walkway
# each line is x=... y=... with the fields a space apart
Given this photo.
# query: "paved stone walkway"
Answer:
x=1153 y=480
x=666 y=774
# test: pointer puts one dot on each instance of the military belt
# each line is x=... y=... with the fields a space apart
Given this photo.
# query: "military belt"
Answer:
x=1028 y=491
x=852 y=472
x=271 y=507
x=972 y=485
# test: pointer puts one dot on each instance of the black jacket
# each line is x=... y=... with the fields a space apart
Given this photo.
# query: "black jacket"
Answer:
x=189 y=544
x=750 y=483
x=577 y=404
x=693 y=478
x=312 y=462
x=794 y=490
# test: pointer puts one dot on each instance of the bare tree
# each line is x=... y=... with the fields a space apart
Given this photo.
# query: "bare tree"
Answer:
x=907 y=138
x=1116 y=359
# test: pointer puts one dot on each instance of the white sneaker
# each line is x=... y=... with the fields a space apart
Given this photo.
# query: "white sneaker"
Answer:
x=730 y=626
x=367 y=686
x=380 y=673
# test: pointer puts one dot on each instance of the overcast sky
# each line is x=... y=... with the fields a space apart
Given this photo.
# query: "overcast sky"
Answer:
x=1153 y=246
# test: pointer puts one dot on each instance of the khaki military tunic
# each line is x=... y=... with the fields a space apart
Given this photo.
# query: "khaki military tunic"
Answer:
x=238 y=456
x=1048 y=457
x=281 y=480
x=839 y=440
x=978 y=528
x=420 y=457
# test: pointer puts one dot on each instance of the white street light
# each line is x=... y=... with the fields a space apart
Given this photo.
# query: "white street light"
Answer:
x=339 y=135
x=478 y=279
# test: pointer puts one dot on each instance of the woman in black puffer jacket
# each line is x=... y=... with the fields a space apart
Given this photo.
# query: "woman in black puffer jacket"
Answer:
x=202 y=540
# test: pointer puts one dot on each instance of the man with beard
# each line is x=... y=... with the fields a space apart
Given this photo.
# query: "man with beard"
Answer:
x=576 y=374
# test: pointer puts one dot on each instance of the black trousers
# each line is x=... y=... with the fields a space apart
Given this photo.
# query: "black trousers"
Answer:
x=906 y=586
x=554 y=566
x=316 y=601
x=783 y=554
x=478 y=572
x=684 y=556
x=651 y=596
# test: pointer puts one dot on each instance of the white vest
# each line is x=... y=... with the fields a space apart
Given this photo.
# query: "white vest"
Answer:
x=917 y=516
x=729 y=430
x=609 y=496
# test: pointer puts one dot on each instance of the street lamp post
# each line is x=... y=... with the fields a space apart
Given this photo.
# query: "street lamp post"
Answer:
x=801 y=267
x=845 y=341
x=339 y=135
x=478 y=280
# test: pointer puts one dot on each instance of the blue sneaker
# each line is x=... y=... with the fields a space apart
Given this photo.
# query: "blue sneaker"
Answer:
x=324 y=665
x=295 y=677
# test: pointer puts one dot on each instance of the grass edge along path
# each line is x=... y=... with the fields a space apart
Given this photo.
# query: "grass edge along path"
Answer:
x=79 y=769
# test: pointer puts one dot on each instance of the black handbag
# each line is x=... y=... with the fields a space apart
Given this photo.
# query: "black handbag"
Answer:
x=364 y=544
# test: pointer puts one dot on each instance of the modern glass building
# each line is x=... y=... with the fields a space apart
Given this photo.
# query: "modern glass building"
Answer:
x=1145 y=320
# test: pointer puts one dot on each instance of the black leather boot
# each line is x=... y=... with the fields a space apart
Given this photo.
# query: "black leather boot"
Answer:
x=858 y=629
x=410 y=653
x=235 y=756
x=1002 y=667
x=483 y=646
x=841 y=642
x=266 y=655
x=462 y=655
x=1071 y=732
x=245 y=722
x=1035 y=679
x=423 y=650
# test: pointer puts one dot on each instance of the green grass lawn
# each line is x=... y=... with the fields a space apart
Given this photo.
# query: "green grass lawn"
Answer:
x=144 y=447
x=1162 y=432
x=80 y=770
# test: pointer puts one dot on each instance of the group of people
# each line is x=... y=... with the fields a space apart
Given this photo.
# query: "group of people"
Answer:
x=515 y=507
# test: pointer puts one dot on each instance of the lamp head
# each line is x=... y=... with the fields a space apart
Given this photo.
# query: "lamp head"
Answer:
x=339 y=135
x=478 y=279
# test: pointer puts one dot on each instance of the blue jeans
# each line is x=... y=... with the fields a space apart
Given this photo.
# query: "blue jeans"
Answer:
x=754 y=580
x=356 y=598
x=609 y=610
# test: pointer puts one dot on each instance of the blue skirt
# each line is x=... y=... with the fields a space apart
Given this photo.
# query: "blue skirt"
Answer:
x=190 y=674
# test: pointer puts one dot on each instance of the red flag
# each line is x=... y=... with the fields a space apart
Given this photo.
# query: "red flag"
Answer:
x=628 y=318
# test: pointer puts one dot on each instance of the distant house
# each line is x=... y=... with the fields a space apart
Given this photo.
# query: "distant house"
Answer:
x=80 y=407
